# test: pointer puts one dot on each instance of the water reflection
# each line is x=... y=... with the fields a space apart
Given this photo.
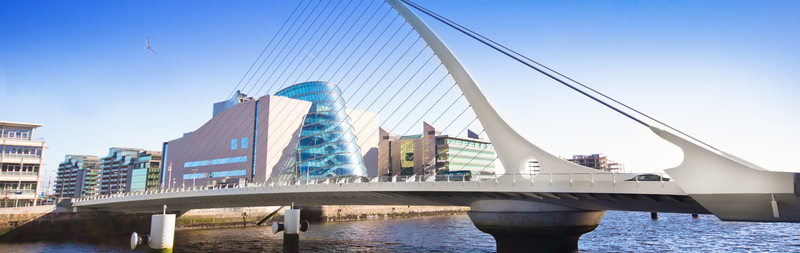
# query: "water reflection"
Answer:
x=431 y=234
x=619 y=232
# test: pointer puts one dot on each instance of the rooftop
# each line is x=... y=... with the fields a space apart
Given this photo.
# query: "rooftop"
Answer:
x=19 y=124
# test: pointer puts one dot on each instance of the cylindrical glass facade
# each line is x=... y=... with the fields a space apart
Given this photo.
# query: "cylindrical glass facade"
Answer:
x=327 y=146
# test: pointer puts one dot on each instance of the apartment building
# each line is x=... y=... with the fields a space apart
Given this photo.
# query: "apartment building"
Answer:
x=20 y=163
x=78 y=176
x=597 y=161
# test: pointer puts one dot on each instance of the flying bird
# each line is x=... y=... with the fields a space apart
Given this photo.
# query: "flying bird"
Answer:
x=148 y=45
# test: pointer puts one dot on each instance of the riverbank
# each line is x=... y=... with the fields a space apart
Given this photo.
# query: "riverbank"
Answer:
x=51 y=222
x=250 y=216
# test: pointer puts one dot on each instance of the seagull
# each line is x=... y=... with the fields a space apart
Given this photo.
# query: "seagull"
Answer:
x=148 y=45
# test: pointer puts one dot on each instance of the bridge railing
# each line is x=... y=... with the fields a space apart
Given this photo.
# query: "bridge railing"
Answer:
x=534 y=179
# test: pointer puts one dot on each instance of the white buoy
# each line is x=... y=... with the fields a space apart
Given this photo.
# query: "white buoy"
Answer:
x=162 y=230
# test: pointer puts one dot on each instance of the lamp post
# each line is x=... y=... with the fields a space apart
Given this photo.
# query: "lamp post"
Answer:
x=170 y=175
x=194 y=177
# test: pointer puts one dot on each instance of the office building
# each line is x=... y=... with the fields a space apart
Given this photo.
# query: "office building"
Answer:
x=144 y=171
x=432 y=153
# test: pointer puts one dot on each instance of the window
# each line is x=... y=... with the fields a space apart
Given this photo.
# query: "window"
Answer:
x=244 y=142
x=234 y=142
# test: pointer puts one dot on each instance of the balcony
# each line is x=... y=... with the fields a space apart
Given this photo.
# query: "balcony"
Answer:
x=10 y=155
x=26 y=142
x=18 y=177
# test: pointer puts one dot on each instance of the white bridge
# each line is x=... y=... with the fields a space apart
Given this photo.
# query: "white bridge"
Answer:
x=708 y=181
x=587 y=191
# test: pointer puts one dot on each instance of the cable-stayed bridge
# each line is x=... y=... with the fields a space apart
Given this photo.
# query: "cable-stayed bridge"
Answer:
x=388 y=62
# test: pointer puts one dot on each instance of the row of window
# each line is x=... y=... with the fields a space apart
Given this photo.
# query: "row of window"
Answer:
x=463 y=157
x=238 y=159
x=16 y=167
x=228 y=173
x=464 y=151
x=16 y=134
x=461 y=143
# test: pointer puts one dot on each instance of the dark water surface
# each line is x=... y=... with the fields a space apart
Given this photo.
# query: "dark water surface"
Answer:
x=619 y=232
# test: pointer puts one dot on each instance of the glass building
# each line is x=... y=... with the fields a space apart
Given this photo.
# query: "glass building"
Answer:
x=327 y=146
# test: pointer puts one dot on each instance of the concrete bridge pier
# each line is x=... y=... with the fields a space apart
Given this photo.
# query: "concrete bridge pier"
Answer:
x=523 y=226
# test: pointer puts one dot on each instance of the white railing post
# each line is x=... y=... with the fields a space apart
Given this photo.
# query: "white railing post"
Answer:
x=614 y=178
x=531 y=175
x=570 y=179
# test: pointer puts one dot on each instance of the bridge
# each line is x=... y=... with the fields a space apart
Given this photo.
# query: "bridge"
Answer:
x=546 y=210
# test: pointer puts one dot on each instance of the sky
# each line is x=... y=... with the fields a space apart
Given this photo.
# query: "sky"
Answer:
x=725 y=72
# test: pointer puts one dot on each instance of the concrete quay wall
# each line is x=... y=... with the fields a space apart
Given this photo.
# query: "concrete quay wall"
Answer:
x=61 y=223
x=355 y=213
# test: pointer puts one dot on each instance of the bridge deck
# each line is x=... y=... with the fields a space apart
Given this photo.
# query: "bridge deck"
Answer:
x=592 y=194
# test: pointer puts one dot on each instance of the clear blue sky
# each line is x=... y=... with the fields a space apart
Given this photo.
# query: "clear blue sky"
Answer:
x=725 y=72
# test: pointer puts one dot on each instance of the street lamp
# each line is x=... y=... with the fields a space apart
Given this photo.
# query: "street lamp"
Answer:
x=194 y=178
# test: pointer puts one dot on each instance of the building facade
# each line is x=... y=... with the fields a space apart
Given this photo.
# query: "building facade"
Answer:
x=431 y=153
x=144 y=171
x=598 y=161
x=20 y=163
x=78 y=176
x=327 y=145
x=302 y=133
x=114 y=169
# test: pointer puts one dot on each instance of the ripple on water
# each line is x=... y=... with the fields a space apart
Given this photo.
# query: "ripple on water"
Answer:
x=618 y=232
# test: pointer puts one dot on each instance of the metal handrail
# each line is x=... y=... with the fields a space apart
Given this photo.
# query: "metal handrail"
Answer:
x=550 y=178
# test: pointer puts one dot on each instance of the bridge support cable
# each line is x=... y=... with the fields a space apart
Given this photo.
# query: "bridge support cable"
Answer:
x=165 y=166
x=265 y=49
x=283 y=54
x=282 y=48
x=400 y=73
x=361 y=42
x=386 y=73
x=367 y=80
x=530 y=63
x=296 y=31
x=296 y=53
x=237 y=129
x=416 y=122
x=310 y=52
x=395 y=95
x=344 y=35
x=376 y=98
x=411 y=126
x=376 y=69
x=354 y=50
x=284 y=65
x=303 y=50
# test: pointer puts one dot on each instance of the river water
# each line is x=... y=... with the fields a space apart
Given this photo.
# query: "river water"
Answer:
x=618 y=232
